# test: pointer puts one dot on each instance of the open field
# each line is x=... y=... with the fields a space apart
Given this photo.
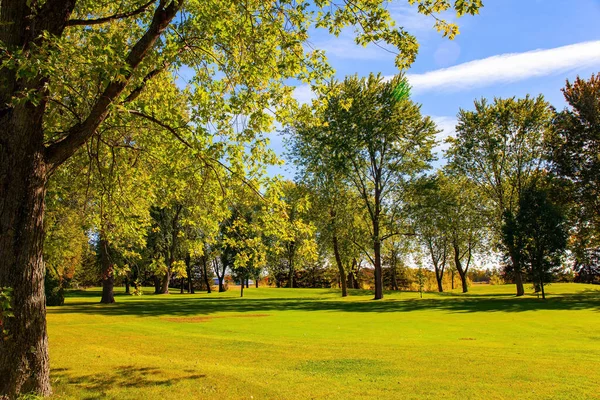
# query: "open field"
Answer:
x=312 y=344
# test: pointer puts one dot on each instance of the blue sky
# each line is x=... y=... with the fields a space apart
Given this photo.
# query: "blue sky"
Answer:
x=512 y=48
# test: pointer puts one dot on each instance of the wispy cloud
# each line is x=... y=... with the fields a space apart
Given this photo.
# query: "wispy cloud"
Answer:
x=447 y=126
x=507 y=68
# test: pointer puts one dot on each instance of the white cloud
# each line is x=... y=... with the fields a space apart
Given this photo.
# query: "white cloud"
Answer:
x=303 y=94
x=507 y=68
x=447 y=126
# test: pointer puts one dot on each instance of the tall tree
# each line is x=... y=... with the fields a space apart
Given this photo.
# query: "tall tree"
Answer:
x=538 y=234
x=378 y=141
x=574 y=147
x=499 y=147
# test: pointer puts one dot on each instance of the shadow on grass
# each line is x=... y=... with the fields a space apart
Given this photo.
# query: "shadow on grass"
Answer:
x=175 y=305
x=123 y=377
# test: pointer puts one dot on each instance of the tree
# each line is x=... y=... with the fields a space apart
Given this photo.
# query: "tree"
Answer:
x=67 y=65
x=537 y=233
x=378 y=142
x=573 y=153
x=430 y=210
x=333 y=203
x=499 y=147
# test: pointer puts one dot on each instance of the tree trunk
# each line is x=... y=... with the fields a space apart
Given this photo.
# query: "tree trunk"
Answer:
x=256 y=282
x=157 y=284
x=463 y=280
x=247 y=283
x=242 y=288
x=291 y=277
x=164 y=285
x=519 y=283
x=378 y=272
x=221 y=287
x=542 y=287
x=514 y=259
x=205 y=273
x=439 y=279
x=108 y=278
x=24 y=365
x=127 y=289
x=462 y=272
x=338 y=260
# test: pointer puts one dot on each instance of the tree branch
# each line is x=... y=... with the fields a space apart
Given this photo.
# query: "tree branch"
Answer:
x=97 y=21
x=59 y=152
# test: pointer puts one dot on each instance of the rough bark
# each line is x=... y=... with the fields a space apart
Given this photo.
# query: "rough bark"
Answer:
x=24 y=365
x=340 y=265
x=108 y=278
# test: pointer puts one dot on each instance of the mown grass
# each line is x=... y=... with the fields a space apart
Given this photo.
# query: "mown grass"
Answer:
x=312 y=344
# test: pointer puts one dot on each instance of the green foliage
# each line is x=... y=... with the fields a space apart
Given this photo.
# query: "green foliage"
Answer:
x=538 y=233
x=5 y=310
x=573 y=153
x=53 y=287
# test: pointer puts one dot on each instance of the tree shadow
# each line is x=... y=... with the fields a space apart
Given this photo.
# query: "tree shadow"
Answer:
x=154 y=306
x=122 y=377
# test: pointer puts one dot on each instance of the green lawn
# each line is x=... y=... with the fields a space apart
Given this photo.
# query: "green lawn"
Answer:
x=312 y=344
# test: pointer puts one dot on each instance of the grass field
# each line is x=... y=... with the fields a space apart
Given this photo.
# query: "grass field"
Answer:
x=312 y=344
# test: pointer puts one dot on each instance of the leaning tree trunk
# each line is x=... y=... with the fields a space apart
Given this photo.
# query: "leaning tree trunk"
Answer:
x=338 y=260
x=24 y=363
x=462 y=272
x=108 y=278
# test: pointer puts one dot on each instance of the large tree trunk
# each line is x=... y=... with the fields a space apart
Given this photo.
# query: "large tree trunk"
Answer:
x=108 y=278
x=166 y=279
x=338 y=260
x=157 y=284
x=24 y=363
